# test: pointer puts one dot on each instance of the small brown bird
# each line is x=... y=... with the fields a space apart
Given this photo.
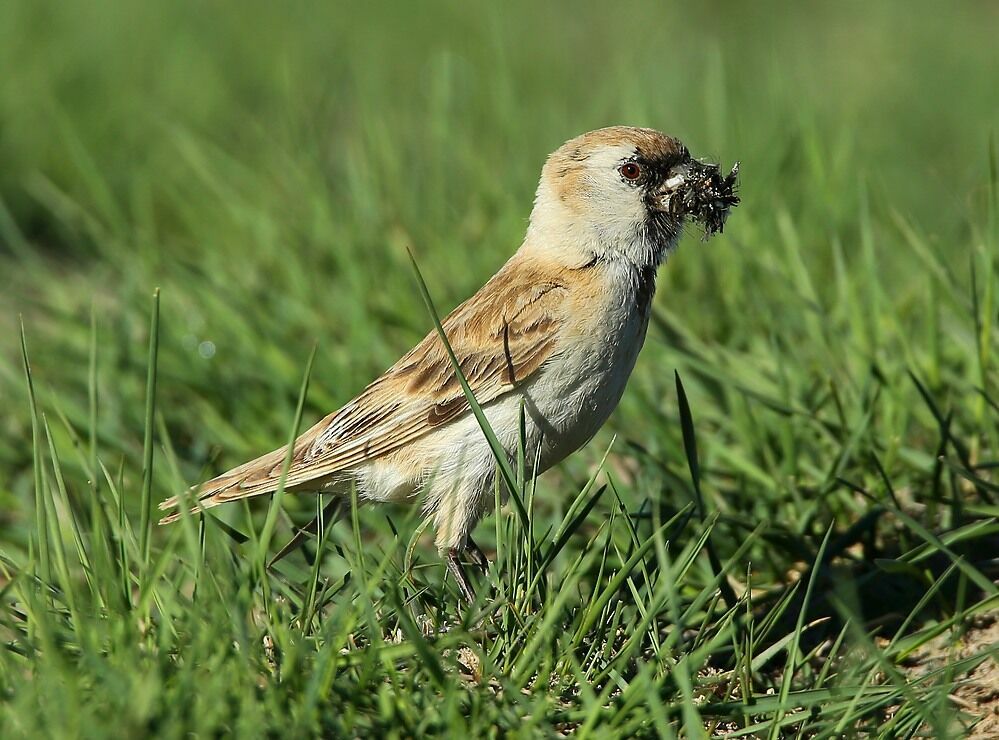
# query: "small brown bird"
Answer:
x=556 y=331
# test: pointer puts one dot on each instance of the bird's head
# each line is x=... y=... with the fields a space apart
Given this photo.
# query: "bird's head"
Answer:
x=624 y=193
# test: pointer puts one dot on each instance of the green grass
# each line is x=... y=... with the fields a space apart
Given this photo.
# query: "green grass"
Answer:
x=796 y=500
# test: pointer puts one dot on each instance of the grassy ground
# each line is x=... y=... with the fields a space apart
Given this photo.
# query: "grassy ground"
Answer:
x=267 y=167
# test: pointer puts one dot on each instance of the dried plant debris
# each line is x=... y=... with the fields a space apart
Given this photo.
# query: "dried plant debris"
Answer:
x=703 y=193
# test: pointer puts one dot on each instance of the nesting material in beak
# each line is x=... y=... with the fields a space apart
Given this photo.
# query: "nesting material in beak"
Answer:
x=700 y=191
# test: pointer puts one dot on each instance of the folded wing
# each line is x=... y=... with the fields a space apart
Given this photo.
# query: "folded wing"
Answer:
x=501 y=336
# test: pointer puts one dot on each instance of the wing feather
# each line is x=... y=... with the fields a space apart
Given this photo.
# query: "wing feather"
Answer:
x=501 y=336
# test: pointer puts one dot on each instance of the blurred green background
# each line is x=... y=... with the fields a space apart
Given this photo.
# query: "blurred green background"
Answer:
x=267 y=165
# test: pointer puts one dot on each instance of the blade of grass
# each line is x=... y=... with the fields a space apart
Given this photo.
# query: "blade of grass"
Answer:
x=145 y=512
x=502 y=459
x=690 y=448
x=41 y=523
x=270 y=522
x=790 y=665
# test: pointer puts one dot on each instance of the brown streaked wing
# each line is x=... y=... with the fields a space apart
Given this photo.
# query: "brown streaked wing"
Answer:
x=501 y=336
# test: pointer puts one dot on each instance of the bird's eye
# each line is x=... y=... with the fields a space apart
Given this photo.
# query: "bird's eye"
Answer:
x=630 y=171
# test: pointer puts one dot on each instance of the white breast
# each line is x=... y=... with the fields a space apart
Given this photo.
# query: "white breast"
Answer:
x=565 y=404
x=579 y=389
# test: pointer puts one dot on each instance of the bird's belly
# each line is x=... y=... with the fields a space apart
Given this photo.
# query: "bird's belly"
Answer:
x=564 y=406
x=572 y=402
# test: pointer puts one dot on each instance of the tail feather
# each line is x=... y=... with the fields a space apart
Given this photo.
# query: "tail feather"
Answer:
x=257 y=477
x=249 y=479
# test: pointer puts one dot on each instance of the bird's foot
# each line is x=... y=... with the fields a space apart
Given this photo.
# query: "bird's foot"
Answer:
x=476 y=555
x=454 y=564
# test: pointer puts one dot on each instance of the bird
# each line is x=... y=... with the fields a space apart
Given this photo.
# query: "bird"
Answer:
x=551 y=338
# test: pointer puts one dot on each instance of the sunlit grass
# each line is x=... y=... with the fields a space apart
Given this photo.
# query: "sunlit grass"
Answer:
x=796 y=499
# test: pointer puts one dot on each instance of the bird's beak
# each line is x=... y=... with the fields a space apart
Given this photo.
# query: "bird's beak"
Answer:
x=673 y=185
x=699 y=190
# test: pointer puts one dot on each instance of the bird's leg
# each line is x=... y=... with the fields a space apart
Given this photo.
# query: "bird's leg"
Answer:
x=453 y=561
x=476 y=555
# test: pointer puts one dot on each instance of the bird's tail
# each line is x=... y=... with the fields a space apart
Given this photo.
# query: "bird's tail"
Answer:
x=254 y=478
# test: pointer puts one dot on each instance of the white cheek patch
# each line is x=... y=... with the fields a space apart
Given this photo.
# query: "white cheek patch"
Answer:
x=615 y=208
x=608 y=159
x=608 y=186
